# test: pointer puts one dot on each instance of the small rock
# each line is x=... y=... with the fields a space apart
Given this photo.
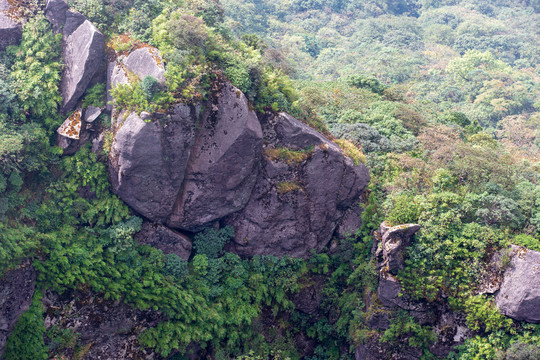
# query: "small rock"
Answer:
x=146 y=116
x=71 y=127
x=92 y=113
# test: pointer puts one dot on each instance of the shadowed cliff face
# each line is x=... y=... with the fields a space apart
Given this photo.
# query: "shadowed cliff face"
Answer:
x=222 y=162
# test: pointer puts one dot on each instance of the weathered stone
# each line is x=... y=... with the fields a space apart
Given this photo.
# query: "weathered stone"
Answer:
x=16 y=292
x=145 y=62
x=92 y=113
x=223 y=166
x=164 y=239
x=74 y=20
x=10 y=30
x=148 y=161
x=394 y=241
x=56 y=11
x=83 y=54
x=519 y=295
x=296 y=207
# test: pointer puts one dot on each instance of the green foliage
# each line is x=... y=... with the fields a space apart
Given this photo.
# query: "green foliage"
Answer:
x=527 y=241
x=403 y=327
x=83 y=174
x=150 y=86
x=175 y=266
x=36 y=72
x=403 y=210
x=482 y=314
x=26 y=341
x=210 y=242
x=365 y=82
x=95 y=96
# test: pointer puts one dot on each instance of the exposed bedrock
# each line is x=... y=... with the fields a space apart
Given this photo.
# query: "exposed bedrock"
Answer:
x=392 y=243
x=519 y=294
x=164 y=239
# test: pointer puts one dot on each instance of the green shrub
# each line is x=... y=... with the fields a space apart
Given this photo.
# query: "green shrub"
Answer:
x=403 y=210
x=27 y=339
x=95 y=96
x=150 y=86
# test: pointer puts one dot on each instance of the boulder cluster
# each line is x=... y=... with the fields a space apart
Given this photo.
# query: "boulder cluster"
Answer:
x=284 y=187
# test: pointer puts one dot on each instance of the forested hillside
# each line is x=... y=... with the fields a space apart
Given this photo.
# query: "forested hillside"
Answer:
x=188 y=179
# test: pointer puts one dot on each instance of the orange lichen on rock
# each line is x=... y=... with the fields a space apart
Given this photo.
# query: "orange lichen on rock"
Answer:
x=71 y=128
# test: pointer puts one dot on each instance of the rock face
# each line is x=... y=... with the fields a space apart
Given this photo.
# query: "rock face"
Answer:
x=223 y=165
x=519 y=295
x=164 y=239
x=83 y=50
x=10 y=31
x=148 y=161
x=16 y=292
x=296 y=206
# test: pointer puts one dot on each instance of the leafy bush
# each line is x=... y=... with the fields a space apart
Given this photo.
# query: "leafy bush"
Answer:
x=210 y=242
x=150 y=86
x=95 y=96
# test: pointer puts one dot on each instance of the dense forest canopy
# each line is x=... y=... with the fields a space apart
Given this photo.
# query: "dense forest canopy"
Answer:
x=439 y=98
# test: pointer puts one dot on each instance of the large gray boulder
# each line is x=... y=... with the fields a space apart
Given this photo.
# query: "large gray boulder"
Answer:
x=223 y=166
x=10 y=30
x=16 y=292
x=84 y=49
x=519 y=295
x=148 y=161
x=296 y=205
